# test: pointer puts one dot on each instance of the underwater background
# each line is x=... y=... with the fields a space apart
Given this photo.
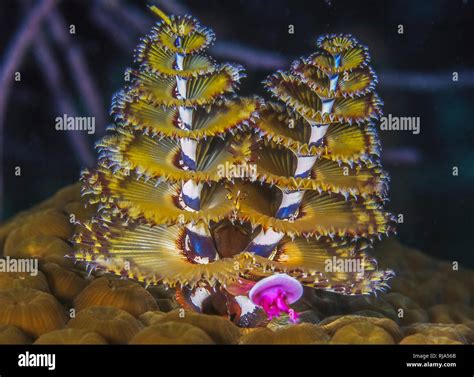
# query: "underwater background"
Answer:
x=415 y=71
x=76 y=62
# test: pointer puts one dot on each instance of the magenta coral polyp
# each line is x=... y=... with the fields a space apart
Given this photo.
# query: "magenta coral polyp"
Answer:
x=275 y=293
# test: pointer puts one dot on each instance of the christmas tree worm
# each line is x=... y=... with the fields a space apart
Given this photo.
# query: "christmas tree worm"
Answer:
x=311 y=194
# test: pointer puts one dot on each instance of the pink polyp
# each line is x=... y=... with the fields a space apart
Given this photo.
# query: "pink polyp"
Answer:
x=281 y=303
x=274 y=302
x=275 y=293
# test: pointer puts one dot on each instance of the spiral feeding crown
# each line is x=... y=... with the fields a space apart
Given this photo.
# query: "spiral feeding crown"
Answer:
x=323 y=187
x=158 y=180
x=316 y=196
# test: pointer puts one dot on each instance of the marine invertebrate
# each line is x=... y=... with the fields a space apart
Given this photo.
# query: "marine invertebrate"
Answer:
x=214 y=194
x=71 y=336
x=304 y=333
x=333 y=324
x=13 y=335
x=425 y=339
x=219 y=329
x=361 y=333
x=44 y=248
x=33 y=311
x=115 y=325
x=275 y=293
x=42 y=223
x=10 y=280
x=65 y=284
x=123 y=294
x=41 y=234
x=151 y=317
x=323 y=188
x=412 y=312
x=457 y=332
x=158 y=181
x=171 y=333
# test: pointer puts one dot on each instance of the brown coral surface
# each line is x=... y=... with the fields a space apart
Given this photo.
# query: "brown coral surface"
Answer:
x=429 y=302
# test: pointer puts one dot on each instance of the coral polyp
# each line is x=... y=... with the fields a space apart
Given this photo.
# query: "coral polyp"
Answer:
x=275 y=293
x=235 y=202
